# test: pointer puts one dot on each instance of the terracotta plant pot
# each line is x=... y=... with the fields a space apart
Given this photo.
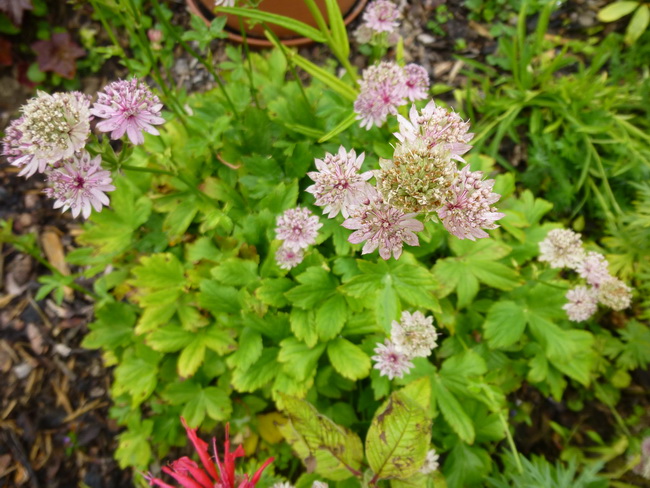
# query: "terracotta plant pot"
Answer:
x=295 y=9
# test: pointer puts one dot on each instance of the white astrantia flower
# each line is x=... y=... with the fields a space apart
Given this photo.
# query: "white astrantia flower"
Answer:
x=431 y=462
x=319 y=484
x=51 y=128
x=562 y=248
x=282 y=484
x=614 y=294
x=414 y=335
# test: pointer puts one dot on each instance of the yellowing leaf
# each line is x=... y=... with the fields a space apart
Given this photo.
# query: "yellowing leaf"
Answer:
x=324 y=447
x=268 y=426
x=398 y=438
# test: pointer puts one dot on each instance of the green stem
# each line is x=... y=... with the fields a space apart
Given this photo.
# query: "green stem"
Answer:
x=617 y=417
x=107 y=26
x=292 y=66
x=35 y=253
x=511 y=441
x=199 y=58
x=249 y=71
x=147 y=170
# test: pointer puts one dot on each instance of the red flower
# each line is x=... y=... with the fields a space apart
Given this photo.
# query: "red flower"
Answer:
x=190 y=475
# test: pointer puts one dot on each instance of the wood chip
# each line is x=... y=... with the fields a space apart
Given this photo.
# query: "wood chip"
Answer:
x=53 y=248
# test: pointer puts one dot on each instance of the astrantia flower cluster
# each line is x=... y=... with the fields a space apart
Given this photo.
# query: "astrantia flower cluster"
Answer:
x=51 y=135
x=215 y=473
x=563 y=248
x=386 y=87
x=379 y=23
x=421 y=179
x=413 y=336
x=298 y=229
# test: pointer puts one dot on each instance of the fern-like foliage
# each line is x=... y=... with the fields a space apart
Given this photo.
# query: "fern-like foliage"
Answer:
x=539 y=473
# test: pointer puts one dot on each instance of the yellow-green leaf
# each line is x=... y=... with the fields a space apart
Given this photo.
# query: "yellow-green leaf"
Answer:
x=398 y=438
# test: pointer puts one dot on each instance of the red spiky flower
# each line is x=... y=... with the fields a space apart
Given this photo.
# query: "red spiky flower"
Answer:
x=190 y=475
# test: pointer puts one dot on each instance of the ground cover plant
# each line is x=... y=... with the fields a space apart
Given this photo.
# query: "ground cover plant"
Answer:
x=345 y=273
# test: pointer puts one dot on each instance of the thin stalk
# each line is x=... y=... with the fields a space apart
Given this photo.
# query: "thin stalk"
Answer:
x=146 y=170
x=249 y=71
x=75 y=286
x=292 y=66
x=107 y=26
x=193 y=53
x=511 y=441
x=617 y=417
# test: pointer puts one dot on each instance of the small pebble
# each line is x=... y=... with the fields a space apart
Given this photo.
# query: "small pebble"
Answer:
x=62 y=350
x=22 y=370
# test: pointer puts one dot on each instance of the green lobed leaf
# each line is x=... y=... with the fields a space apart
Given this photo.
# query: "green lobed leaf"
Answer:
x=235 y=272
x=316 y=286
x=272 y=291
x=348 y=359
x=299 y=360
x=323 y=446
x=452 y=411
x=398 y=438
x=112 y=328
x=259 y=374
x=162 y=270
x=331 y=317
x=248 y=351
x=191 y=357
x=303 y=326
x=504 y=324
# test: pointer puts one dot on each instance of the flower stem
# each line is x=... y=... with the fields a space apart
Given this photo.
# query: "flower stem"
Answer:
x=193 y=53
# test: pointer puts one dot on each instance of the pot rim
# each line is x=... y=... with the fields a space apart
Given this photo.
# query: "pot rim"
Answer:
x=199 y=9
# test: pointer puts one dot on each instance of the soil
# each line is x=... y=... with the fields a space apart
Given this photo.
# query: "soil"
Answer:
x=55 y=429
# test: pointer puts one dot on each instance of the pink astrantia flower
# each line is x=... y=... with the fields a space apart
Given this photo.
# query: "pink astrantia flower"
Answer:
x=79 y=184
x=469 y=210
x=434 y=126
x=583 y=303
x=417 y=82
x=381 y=16
x=128 y=106
x=338 y=186
x=593 y=268
x=383 y=89
x=288 y=258
x=298 y=228
x=390 y=361
x=190 y=475
x=14 y=147
x=382 y=226
x=51 y=128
